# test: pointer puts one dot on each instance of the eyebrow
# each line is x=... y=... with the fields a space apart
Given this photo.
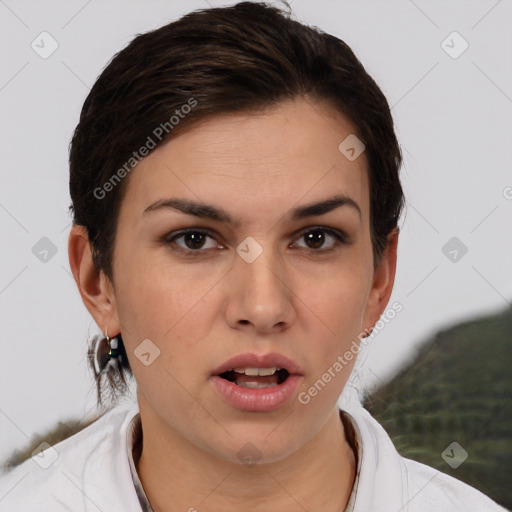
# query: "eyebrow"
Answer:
x=205 y=210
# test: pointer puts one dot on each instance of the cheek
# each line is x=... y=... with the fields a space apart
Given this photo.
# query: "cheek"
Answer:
x=150 y=309
x=336 y=308
x=154 y=293
x=171 y=306
x=339 y=296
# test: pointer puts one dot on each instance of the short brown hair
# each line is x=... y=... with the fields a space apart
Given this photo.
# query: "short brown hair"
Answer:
x=246 y=57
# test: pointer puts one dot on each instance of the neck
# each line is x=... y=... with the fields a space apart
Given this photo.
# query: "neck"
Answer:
x=318 y=476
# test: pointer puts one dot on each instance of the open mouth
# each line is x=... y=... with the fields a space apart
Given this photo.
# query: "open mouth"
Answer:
x=256 y=377
x=257 y=382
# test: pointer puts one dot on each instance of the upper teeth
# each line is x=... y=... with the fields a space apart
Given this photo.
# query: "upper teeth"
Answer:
x=254 y=372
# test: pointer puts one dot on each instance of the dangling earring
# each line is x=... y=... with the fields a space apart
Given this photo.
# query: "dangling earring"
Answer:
x=109 y=362
x=113 y=345
x=105 y=352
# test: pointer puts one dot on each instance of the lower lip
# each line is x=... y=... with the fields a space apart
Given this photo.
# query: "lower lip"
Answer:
x=256 y=400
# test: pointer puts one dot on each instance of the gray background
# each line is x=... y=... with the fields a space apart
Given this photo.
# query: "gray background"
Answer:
x=453 y=118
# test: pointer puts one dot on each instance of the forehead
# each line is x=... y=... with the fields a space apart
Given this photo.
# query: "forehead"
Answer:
x=254 y=162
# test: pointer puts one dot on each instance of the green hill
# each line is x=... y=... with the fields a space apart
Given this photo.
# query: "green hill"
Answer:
x=458 y=388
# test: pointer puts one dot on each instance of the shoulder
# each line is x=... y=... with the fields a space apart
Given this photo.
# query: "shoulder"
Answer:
x=76 y=474
x=430 y=489
x=389 y=481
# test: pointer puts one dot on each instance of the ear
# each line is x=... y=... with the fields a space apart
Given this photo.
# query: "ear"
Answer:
x=383 y=280
x=95 y=288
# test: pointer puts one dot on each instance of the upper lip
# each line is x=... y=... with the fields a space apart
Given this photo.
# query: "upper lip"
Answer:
x=250 y=360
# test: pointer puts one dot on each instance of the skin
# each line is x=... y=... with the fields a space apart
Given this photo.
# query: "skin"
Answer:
x=306 y=302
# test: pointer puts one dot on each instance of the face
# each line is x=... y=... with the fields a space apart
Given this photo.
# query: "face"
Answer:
x=246 y=237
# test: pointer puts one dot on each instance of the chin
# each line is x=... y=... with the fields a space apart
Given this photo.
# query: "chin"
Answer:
x=250 y=445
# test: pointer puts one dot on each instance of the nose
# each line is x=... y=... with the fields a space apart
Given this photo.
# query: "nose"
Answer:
x=260 y=297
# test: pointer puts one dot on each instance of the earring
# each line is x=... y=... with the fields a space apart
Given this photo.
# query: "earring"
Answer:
x=106 y=352
x=108 y=360
x=113 y=344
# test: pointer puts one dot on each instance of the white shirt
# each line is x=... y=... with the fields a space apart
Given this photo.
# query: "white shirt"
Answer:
x=90 y=472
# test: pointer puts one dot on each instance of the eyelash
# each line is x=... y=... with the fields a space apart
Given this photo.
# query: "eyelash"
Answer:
x=170 y=239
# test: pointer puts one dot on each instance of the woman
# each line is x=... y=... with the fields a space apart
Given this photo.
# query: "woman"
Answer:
x=235 y=189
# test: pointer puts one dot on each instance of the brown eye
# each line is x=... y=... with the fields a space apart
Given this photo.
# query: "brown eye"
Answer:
x=320 y=239
x=192 y=241
x=314 y=239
